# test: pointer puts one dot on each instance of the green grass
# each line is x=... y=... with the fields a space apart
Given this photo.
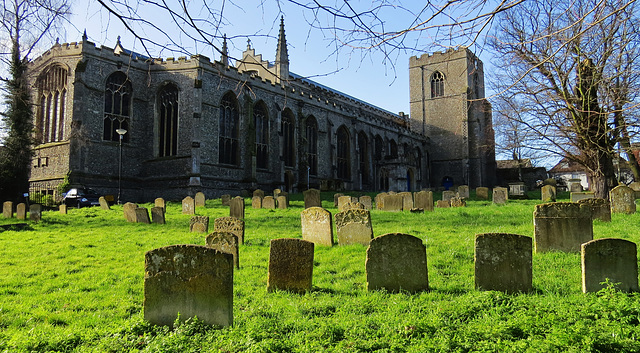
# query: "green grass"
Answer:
x=74 y=283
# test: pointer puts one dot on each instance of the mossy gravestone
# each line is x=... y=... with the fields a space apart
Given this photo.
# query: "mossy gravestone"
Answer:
x=256 y=202
x=562 y=226
x=190 y=281
x=463 y=191
x=236 y=207
x=335 y=199
x=157 y=215
x=392 y=203
x=407 y=200
x=269 y=203
x=225 y=199
x=354 y=227
x=317 y=226
x=342 y=201
x=500 y=196
x=503 y=262
x=312 y=198
x=548 y=193
x=290 y=265
x=225 y=242
x=379 y=199
x=612 y=259
x=482 y=193
x=230 y=224
x=129 y=210
x=622 y=200
x=7 y=209
x=188 y=205
x=424 y=200
x=600 y=208
x=447 y=195
x=397 y=262
x=365 y=200
x=199 y=224
x=35 y=212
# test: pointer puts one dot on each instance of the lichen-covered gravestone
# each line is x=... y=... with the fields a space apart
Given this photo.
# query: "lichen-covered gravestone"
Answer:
x=463 y=191
x=548 y=193
x=236 y=207
x=503 y=262
x=609 y=259
x=269 y=202
x=335 y=199
x=622 y=200
x=225 y=199
x=407 y=200
x=35 y=212
x=199 y=199
x=447 y=195
x=392 y=203
x=500 y=196
x=230 y=224
x=7 y=209
x=258 y=193
x=562 y=226
x=458 y=202
x=424 y=200
x=21 y=211
x=354 y=227
x=379 y=199
x=312 y=198
x=365 y=200
x=600 y=208
x=397 y=262
x=129 y=210
x=199 y=224
x=577 y=196
x=142 y=215
x=317 y=226
x=188 y=205
x=256 y=202
x=190 y=281
x=342 y=201
x=443 y=203
x=157 y=215
x=225 y=242
x=482 y=193
x=290 y=265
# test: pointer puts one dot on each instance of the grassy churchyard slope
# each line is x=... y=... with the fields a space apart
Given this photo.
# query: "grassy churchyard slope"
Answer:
x=74 y=283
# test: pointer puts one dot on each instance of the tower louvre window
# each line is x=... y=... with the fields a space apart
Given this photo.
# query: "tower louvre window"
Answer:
x=52 y=91
x=437 y=84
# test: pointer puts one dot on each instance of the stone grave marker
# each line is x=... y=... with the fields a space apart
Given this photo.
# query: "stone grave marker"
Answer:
x=463 y=191
x=353 y=227
x=600 y=208
x=236 y=207
x=225 y=199
x=562 y=226
x=276 y=193
x=35 y=212
x=290 y=265
x=635 y=186
x=21 y=211
x=159 y=202
x=623 y=200
x=129 y=210
x=312 y=198
x=424 y=200
x=343 y=200
x=443 y=204
x=500 y=196
x=407 y=200
x=548 y=193
x=482 y=193
x=256 y=202
x=226 y=242
x=199 y=224
x=103 y=203
x=7 y=209
x=188 y=205
x=259 y=193
x=142 y=215
x=447 y=195
x=503 y=262
x=458 y=202
x=189 y=280
x=232 y=225
x=269 y=202
x=575 y=186
x=282 y=202
x=317 y=226
x=353 y=205
x=365 y=200
x=397 y=262
x=612 y=259
x=335 y=199
x=199 y=199
x=392 y=203
x=379 y=199
x=286 y=196
x=157 y=215
x=63 y=209
x=577 y=196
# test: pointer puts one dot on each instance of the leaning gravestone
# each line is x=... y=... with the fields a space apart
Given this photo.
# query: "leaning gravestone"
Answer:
x=548 y=193
x=236 y=207
x=282 y=202
x=290 y=265
x=397 y=262
x=623 y=200
x=199 y=224
x=159 y=202
x=562 y=226
x=157 y=215
x=503 y=262
x=226 y=242
x=500 y=196
x=258 y=193
x=600 y=208
x=407 y=200
x=335 y=199
x=609 y=259
x=343 y=200
x=35 y=212
x=21 y=211
x=463 y=191
x=63 y=209
x=7 y=209
x=317 y=226
x=103 y=203
x=312 y=198
x=188 y=205
x=269 y=203
x=225 y=199
x=577 y=196
x=365 y=200
x=424 y=200
x=129 y=210
x=353 y=227
x=379 y=199
x=447 y=195
x=392 y=203
x=230 y=224
x=188 y=281
x=199 y=199
x=142 y=215
x=256 y=202
x=482 y=193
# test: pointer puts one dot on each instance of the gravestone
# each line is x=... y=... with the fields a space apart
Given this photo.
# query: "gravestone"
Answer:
x=577 y=196
x=397 y=262
x=443 y=204
x=63 y=209
x=424 y=200
x=562 y=226
x=256 y=202
x=548 y=193
x=142 y=215
x=458 y=202
x=188 y=280
x=159 y=202
x=623 y=200
x=286 y=197
x=35 y=212
x=365 y=200
x=226 y=242
x=225 y=199
x=231 y=225
x=199 y=224
x=353 y=227
x=463 y=191
x=282 y=202
x=103 y=203
x=199 y=199
x=236 y=207
x=335 y=199
x=482 y=193
x=503 y=262
x=269 y=202
x=612 y=259
x=188 y=205
x=157 y=215
x=290 y=265
x=635 y=186
x=352 y=205
x=317 y=226
x=447 y=195
x=575 y=186
x=312 y=198
x=500 y=196
x=259 y=193
x=129 y=210
x=407 y=200
x=392 y=203
x=600 y=208
x=21 y=211
x=379 y=199
x=343 y=200
x=7 y=209
x=276 y=193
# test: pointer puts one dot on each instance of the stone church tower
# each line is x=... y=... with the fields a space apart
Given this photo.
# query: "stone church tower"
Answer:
x=448 y=105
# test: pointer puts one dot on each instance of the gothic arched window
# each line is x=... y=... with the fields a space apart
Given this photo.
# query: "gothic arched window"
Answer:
x=343 y=153
x=168 y=121
x=228 y=130
x=393 y=149
x=288 y=134
x=379 y=148
x=311 y=132
x=437 y=84
x=52 y=92
x=117 y=106
x=261 y=121
x=363 y=157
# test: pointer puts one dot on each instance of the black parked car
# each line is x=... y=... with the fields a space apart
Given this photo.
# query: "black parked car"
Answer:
x=81 y=197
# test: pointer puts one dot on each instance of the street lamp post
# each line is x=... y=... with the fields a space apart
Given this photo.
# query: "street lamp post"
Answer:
x=121 y=133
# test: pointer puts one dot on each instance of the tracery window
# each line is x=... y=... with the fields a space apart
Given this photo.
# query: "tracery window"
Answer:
x=52 y=92
x=168 y=124
x=261 y=121
x=288 y=133
x=228 y=130
x=363 y=157
x=379 y=148
x=117 y=106
x=312 y=145
x=343 y=154
x=437 y=84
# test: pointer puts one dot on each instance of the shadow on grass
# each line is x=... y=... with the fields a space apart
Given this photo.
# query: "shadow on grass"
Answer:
x=16 y=227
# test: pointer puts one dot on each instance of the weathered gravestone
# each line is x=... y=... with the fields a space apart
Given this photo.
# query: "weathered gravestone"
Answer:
x=577 y=196
x=189 y=281
x=562 y=226
x=157 y=215
x=142 y=215
x=286 y=197
x=317 y=226
x=259 y=193
x=225 y=199
x=188 y=205
x=352 y=205
x=335 y=199
x=365 y=200
x=159 y=202
x=503 y=262
x=103 y=203
x=63 y=209
x=226 y=242
x=236 y=207
x=312 y=198
x=269 y=202
x=575 y=186
x=458 y=202
x=379 y=199
x=447 y=195
x=21 y=211
x=199 y=199
x=256 y=202
x=7 y=209
x=129 y=210
x=500 y=196
x=353 y=227
x=392 y=203
x=199 y=224
x=463 y=191
x=343 y=200
x=276 y=193
x=482 y=193
x=282 y=202
x=290 y=265
x=232 y=225
x=397 y=262
x=35 y=212
x=600 y=208
x=443 y=204
x=548 y=193
x=424 y=200
x=635 y=186
x=609 y=259
x=407 y=200
x=623 y=200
